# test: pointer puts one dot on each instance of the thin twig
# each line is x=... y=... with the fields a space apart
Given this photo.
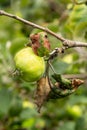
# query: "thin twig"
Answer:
x=66 y=42
x=71 y=76
x=50 y=65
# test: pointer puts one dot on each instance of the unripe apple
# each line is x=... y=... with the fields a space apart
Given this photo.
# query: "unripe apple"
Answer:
x=74 y=111
x=31 y=66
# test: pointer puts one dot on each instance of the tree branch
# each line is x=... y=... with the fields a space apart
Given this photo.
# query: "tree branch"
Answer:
x=70 y=43
x=67 y=43
x=71 y=76
x=31 y=24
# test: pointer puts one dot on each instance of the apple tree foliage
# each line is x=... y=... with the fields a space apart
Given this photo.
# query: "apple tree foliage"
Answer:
x=17 y=107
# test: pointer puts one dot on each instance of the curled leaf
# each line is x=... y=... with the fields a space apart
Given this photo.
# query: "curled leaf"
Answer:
x=40 y=44
x=76 y=83
x=42 y=92
x=60 y=90
x=47 y=90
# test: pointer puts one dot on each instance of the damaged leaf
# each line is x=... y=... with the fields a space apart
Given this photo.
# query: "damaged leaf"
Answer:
x=42 y=92
x=47 y=90
x=62 y=89
x=40 y=44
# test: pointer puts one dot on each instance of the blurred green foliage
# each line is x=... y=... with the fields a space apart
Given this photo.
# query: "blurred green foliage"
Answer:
x=17 y=109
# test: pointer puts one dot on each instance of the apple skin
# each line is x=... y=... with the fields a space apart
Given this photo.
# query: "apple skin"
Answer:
x=31 y=66
x=74 y=111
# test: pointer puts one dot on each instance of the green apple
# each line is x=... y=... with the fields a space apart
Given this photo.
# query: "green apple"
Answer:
x=31 y=66
x=74 y=111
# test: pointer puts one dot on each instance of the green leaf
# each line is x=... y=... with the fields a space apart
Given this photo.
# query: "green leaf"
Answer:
x=5 y=100
x=78 y=99
x=81 y=123
x=27 y=113
x=29 y=123
x=80 y=32
x=67 y=126
x=17 y=44
x=15 y=107
x=60 y=66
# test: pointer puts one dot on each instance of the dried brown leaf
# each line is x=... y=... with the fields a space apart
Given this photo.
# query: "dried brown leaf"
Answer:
x=42 y=92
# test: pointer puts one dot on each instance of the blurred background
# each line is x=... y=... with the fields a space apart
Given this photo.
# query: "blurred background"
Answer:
x=17 y=108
